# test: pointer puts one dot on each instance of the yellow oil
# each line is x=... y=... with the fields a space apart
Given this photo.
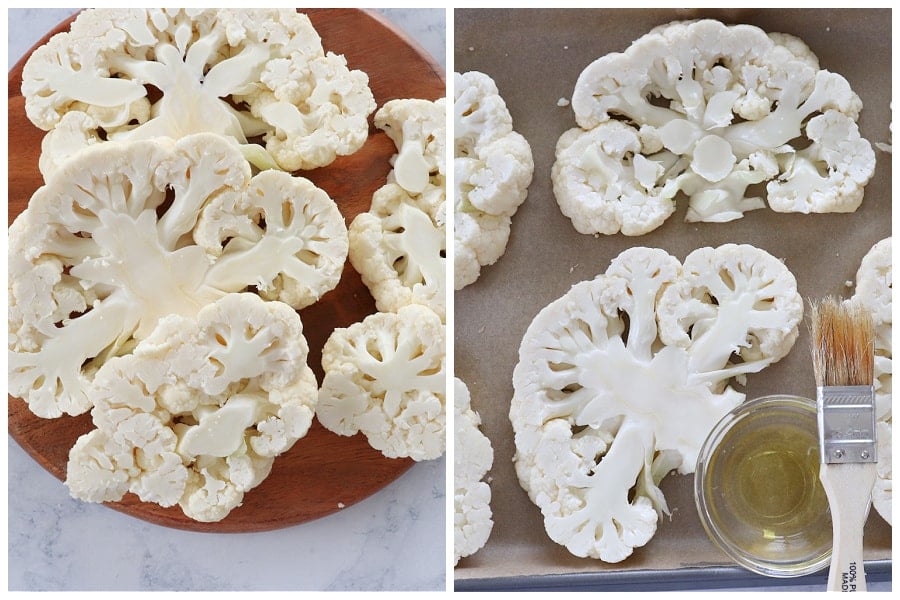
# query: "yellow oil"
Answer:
x=767 y=497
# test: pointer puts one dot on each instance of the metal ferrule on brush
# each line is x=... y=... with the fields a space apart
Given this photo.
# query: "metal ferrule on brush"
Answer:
x=846 y=424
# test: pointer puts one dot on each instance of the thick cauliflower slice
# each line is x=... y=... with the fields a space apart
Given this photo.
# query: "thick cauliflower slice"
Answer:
x=616 y=386
x=385 y=377
x=874 y=290
x=492 y=167
x=398 y=248
x=472 y=459
x=197 y=413
x=242 y=73
x=108 y=247
x=709 y=110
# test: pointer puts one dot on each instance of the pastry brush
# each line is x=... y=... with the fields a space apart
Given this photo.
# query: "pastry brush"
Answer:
x=843 y=343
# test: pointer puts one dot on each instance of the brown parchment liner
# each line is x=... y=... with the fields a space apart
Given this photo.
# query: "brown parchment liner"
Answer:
x=535 y=57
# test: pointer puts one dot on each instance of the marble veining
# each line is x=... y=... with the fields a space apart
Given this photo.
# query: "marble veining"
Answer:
x=393 y=540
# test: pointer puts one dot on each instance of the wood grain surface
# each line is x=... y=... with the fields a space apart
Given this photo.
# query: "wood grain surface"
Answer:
x=323 y=469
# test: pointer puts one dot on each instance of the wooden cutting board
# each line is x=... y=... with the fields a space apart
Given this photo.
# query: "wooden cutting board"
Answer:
x=323 y=471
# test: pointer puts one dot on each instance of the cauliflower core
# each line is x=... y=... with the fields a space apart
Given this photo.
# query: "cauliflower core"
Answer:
x=492 y=166
x=472 y=459
x=385 y=377
x=874 y=289
x=708 y=110
x=245 y=73
x=128 y=233
x=399 y=245
x=197 y=413
x=620 y=380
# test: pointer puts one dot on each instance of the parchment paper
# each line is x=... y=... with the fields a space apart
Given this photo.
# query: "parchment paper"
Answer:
x=535 y=56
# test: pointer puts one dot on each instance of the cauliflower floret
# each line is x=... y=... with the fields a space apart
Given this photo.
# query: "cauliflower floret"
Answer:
x=242 y=365
x=418 y=129
x=874 y=291
x=287 y=219
x=384 y=377
x=712 y=109
x=398 y=248
x=620 y=381
x=107 y=248
x=144 y=73
x=605 y=185
x=472 y=459
x=492 y=166
x=830 y=174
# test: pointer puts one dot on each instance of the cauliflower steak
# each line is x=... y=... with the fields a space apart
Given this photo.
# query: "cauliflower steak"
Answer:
x=244 y=73
x=385 y=377
x=708 y=110
x=620 y=380
x=197 y=413
x=128 y=233
x=472 y=459
x=874 y=290
x=492 y=166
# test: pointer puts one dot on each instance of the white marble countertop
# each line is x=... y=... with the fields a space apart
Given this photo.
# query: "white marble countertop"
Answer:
x=393 y=540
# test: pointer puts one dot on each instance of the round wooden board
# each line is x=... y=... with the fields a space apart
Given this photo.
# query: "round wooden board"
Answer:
x=322 y=470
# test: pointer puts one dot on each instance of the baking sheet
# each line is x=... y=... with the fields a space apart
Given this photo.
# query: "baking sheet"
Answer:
x=535 y=56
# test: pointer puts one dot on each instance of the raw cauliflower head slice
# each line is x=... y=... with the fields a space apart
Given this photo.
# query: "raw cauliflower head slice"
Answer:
x=492 y=167
x=197 y=413
x=288 y=220
x=385 y=377
x=874 y=291
x=608 y=401
x=143 y=73
x=712 y=110
x=106 y=249
x=418 y=129
x=472 y=459
x=398 y=248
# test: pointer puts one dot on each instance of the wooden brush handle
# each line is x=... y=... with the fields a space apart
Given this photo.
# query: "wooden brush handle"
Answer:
x=849 y=490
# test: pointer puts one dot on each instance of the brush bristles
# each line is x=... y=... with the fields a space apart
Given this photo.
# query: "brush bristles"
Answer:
x=843 y=343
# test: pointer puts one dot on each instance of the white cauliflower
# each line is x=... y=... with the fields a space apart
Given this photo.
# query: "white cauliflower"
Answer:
x=127 y=233
x=197 y=413
x=418 y=129
x=708 y=110
x=385 y=377
x=398 y=248
x=620 y=380
x=472 y=459
x=874 y=291
x=492 y=167
x=242 y=73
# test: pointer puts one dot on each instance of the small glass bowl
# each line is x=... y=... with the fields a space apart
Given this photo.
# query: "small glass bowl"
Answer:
x=757 y=488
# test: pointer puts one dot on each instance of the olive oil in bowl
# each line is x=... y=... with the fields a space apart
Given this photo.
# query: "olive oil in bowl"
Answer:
x=758 y=491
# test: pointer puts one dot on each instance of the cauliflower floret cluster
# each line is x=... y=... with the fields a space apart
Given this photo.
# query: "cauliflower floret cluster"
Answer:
x=257 y=74
x=398 y=246
x=385 y=376
x=620 y=380
x=472 y=459
x=127 y=233
x=196 y=414
x=874 y=290
x=492 y=166
x=708 y=110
